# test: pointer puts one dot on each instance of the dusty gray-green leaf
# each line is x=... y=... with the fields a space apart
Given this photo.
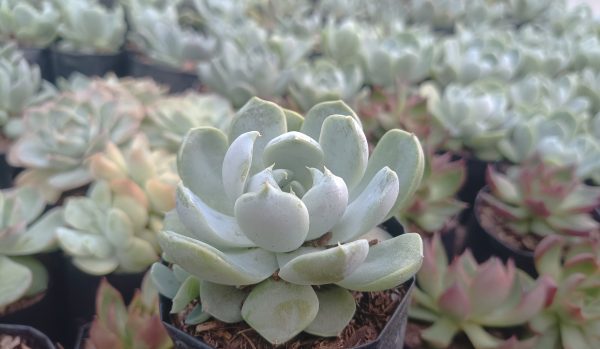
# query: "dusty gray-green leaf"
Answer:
x=222 y=302
x=326 y=202
x=314 y=118
x=188 y=291
x=336 y=309
x=164 y=279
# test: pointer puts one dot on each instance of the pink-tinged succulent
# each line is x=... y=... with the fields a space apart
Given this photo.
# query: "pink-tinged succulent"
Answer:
x=572 y=317
x=434 y=205
x=137 y=326
x=468 y=297
x=543 y=199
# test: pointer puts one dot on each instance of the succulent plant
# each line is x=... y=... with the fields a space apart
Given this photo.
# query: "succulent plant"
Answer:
x=542 y=198
x=587 y=86
x=114 y=228
x=21 y=86
x=32 y=23
x=170 y=118
x=135 y=326
x=541 y=52
x=61 y=134
x=342 y=42
x=22 y=234
x=476 y=117
x=582 y=152
x=522 y=11
x=441 y=15
x=88 y=27
x=572 y=317
x=434 y=205
x=270 y=206
x=322 y=80
x=473 y=298
x=238 y=74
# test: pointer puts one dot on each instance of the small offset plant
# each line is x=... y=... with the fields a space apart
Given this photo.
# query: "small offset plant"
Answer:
x=169 y=118
x=473 y=298
x=22 y=234
x=21 y=86
x=31 y=23
x=572 y=317
x=543 y=199
x=61 y=134
x=434 y=204
x=136 y=326
x=90 y=28
x=113 y=228
x=280 y=203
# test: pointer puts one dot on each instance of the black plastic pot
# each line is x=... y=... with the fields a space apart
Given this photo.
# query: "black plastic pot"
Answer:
x=6 y=173
x=176 y=80
x=82 y=335
x=485 y=244
x=66 y=63
x=474 y=181
x=48 y=314
x=35 y=339
x=41 y=57
x=81 y=291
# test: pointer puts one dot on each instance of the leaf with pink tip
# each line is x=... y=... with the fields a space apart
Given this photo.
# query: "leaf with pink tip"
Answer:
x=455 y=302
x=494 y=281
x=547 y=256
x=502 y=187
x=430 y=277
x=502 y=209
x=441 y=333
x=576 y=224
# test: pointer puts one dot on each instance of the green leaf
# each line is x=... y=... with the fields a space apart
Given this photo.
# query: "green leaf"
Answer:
x=236 y=165
x=188 y=291
x=164 y=280
x=326 y=202
x=39 y=272
x=222 y=302
x=16 y=280
x=278 y=310
x=41 y=236
x=294 y=120
x=314 y=118
x=336 y=309
x=441 y=333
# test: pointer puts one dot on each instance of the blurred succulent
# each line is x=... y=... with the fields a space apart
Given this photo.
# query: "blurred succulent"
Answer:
x=157 y=33
x=170 y=118
x=61 y=134
x=342 y=42
x=268 y=205
x=21 y=86
x=107 y=230
x=572 y=317
x=522 y=11
x=403 y=57
x=586 y=52
x=434 y=205
x=322 y=80
x=90 y=28
x=582 y=152
x=473 y=298
x=541 y=198
x=238 y=75
x=22 y=234
x=476 y=117
x=440 y=15
x=137 y=326
x=541 y=52
x=32 y=23
x=588 y=86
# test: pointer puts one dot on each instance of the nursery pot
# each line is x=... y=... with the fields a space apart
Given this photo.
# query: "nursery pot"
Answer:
x=484 y=243
x=47 y=314
x=474 y=181
x=176 y=80
x=82 y=335
x=41 y=57
x=6 y=173
x=66 y=63
x=30 y=336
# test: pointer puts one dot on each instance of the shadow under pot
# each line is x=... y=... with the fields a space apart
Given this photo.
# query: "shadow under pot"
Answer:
x=67 y=63
x=489 y=235
x=176 y=80
x=389 y=335
x=44 y=311
x=26 y=336
x=41 y=57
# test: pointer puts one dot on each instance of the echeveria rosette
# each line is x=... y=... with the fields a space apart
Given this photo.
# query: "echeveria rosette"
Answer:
x=32 y=23
x=469 y=297
x=281 y=203
x=543 y=199
x=572 y=316
x=107 y=230
x=22 y=234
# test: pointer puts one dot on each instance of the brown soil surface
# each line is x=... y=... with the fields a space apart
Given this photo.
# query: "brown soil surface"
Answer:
x=21 y=304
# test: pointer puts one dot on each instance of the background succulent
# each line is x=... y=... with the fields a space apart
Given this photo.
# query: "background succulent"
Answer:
x=32 y=23
x=469 y=297
x=251 y=202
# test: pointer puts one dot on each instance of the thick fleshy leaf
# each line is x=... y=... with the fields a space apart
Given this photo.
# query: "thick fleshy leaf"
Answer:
x=293 y=119
x=455 y=301
x=336 y=309
x=272 y=219
x=388 y=264
x=187 y=292
x=493 y=280
x=80 y=244
x=345 y=148
x=236 y=165
x=96 y=266
x=268 y=175
x=314 y=118
x=435 y=265
x=501 y=187
x=222 y=302
x=39 y=237
x=39 y=272
x=16 y=279
x=137 y=256
x=119 y=229
x=480 y=337
x=80 y=213
x=402 y=153
x=164 y=279
x=235 y=267
x=441 y=333
x=196 y=316
x=327 y=266
x=326 y=202
x=206 y=224
x=278 y=310
x=258 y=115
x=296 y=152
x=369 y=208
x=199 y=163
